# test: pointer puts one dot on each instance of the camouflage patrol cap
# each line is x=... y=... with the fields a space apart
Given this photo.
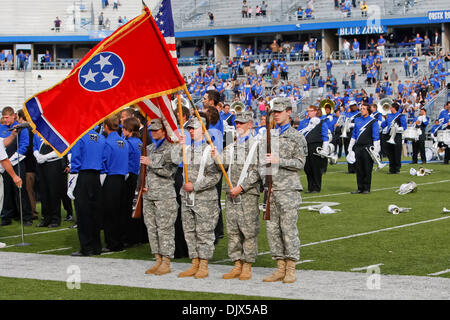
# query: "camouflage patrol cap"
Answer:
x=155 y=124
x=280 y=104
x=195 y=123
x=244 y=117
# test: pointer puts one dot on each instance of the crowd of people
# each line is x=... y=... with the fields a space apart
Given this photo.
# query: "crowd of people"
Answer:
x=259 y=11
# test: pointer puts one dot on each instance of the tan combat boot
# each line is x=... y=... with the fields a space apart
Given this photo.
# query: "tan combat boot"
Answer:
x=164 y=268
x=279 y=274
x=202 y=269
x=155 y=267
x=235 y=272
x=246 y=273
x=192 y=270
x=291 y=274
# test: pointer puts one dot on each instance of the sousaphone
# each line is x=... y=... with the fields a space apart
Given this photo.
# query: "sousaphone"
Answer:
x=384 y=106
x=327 y=102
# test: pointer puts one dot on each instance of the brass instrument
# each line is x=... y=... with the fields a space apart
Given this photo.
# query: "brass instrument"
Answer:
x=237 y=107
x=184 y=103
x=384 y=106
x=332 y=157
x=376 y=158
x=327 y=102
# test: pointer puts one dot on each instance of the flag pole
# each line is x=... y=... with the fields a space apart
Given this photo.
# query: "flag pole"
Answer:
x=208 y=138
x=180 y=112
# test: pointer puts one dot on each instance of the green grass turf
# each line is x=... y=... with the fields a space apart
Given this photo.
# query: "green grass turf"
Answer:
x=413 y=250
x=24 y=289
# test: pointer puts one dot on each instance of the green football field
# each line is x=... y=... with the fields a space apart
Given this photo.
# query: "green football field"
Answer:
x=361 y=234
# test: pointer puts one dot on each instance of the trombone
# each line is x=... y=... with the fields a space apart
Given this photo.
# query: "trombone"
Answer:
x=375 y=157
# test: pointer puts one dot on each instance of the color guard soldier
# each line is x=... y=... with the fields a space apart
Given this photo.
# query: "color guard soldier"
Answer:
x=200 y=209
x=242 y=200
x=288 y=156
x=160 y=207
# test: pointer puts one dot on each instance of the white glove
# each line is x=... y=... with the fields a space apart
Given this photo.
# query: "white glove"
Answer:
x=102 y=178
x=351 y=125
x=126 y=176
x=50 y=156
x=351 y=144
x=376 y=145
x=325 y=147
x=39 y=157
x=71 y=183
x=351 y=158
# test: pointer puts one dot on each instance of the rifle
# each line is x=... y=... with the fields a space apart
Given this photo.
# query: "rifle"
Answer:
x=137 y=201
x=268 y=187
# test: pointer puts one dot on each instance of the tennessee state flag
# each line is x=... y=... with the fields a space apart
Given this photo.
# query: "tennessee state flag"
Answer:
x=130 y=65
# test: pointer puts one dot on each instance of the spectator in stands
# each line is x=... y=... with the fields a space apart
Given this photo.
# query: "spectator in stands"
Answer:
x=371 y=45
x=436 y=41
x=299 y=13
x=2 y=60
x=238 y=50
x=355 y=47
x=312 y=49
x=305 y=50
x=415 y=65
x=116 y=4
x=275 y=48
x=125 y=20
x=211 y=18
x=406 y=66
x=119 y=21
x=257 y=11
x=380 y=45
x=47 y=59
x=353 y=79
x=101 y=19
x=9 y=61
x=364 y=8
x=346 y=49
x=107 y=24
x=426 y=45
x=347 y=8
x=249 y=51
x=244 y=9
x=57 y=24
x=309 y=13
x=363 y=64
x=418 y=41
x=21 y=60
x=264 y=9
x=345 y=80
x=329 y=66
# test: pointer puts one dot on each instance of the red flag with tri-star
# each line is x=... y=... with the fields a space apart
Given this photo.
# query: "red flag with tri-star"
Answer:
x=129 y=66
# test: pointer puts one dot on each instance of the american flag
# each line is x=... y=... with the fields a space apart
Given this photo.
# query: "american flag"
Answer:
x=161 y=107
x=164 y=21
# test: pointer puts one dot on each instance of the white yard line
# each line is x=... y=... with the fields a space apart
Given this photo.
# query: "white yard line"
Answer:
x=355 y=235
x=53 y=250
x=34 y=233
x=368 y=267
x=303 y=261
x=439 y=273
x=375 y=190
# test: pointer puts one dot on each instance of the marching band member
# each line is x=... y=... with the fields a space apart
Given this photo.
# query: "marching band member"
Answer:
x=50 y=168
x=200 y=208
x=316 y=134
x=115 y=168
x=421 y=122
x=350 y=117
x=243 y=215
x=287 y=158
x=85 y=189
x=160 y=207
x=365 y=135
x=394 y=121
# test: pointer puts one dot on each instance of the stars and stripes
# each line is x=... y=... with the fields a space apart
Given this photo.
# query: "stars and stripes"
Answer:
x=164 y=21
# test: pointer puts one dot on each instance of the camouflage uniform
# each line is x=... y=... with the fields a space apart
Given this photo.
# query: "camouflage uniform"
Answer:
x=160 y=207
x=243 y=219
x=200 y=220
x=291 y=148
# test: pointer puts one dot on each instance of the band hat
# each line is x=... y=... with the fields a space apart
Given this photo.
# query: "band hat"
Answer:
x=195 y=123
x=244 y=117
x=352 y=102
x=281 y=104
x=155 y=124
